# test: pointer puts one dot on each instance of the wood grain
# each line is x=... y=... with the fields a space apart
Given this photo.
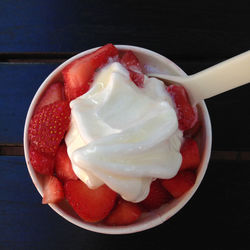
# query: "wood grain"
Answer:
x=11 y=149
x=35 y=57
x=183 y=29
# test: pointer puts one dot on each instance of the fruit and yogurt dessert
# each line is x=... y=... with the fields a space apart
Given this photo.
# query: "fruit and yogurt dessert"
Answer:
x=111 y=141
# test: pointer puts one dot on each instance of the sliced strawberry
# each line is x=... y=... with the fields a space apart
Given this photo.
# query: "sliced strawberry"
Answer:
x=193 y=131
x=190 y=154
x=124 y=213
x=131 y=62
x=187 y=115
x=180 y=184
x=42 y=163
x=54 y=93
x=48 y=126
x=53 y=190
x=156 y=197
x=91 y=205
x=63 y=166
x=79 y=74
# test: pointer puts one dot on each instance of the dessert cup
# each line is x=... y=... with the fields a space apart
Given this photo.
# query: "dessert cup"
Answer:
x=151 y=62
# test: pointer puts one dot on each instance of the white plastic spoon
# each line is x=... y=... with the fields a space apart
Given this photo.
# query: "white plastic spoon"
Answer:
x=217 y=79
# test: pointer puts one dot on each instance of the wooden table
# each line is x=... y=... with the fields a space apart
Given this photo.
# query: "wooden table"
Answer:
x=36 y=36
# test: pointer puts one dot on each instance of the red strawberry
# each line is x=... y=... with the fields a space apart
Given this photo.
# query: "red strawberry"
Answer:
x=48 y=126
x=180 y=184
x=79 y=74
x=131 y=62
x=53 y=190
x=190 y=154
x=91 y=205
x=42 y=163
x=193 y=131
x=54 y=93
x=187 y=115
x=63 y=166
x=156 y=197
x=124 y=213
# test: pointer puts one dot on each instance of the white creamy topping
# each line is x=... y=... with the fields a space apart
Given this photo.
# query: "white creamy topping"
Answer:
x=122 y=135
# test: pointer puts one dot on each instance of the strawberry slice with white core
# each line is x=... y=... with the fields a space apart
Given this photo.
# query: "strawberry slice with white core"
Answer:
x=157 y=196
x=53 y=190
x=132 y=64
x=124 y=213
x=180 y=184
x=91 y=205
x=192 y=132
x=63 y=166
x=79 y=74
x=190 y=154
x=187 y=115
x=54 y=93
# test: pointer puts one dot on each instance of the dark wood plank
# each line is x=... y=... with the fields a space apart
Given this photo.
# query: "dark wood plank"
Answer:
x=217 y=215
x=11 y=149
x=191 y=29
x=230 y=114
x=19 y=83
x=35 y=57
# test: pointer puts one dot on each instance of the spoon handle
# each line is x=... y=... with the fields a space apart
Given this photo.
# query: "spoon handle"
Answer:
x=219 y=78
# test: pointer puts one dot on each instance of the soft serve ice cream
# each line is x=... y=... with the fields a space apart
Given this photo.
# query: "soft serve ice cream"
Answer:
x=122 y=135
x=125 y=134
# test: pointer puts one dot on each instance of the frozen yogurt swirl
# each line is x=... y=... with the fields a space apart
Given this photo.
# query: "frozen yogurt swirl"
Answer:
x=122 y=135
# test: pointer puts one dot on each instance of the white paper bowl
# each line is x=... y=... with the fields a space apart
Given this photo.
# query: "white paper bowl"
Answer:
x=151 y=62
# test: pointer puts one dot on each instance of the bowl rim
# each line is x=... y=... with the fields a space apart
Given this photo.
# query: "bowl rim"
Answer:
x=133 y=228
